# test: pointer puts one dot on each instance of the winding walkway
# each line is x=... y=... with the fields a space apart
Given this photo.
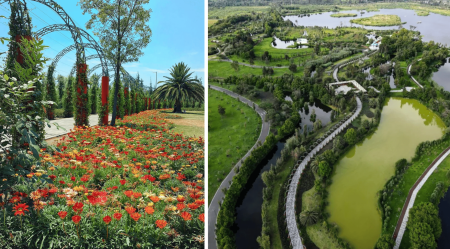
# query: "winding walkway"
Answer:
x=409 y=203
x=214 y=207
x=294 y=234
x=409 y=73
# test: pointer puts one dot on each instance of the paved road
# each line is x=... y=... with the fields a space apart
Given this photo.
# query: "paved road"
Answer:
x=294 y=234
x=214 y=207
x=409 y=203
x=67 y=124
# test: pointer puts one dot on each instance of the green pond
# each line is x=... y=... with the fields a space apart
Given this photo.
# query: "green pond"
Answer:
x=364 y=169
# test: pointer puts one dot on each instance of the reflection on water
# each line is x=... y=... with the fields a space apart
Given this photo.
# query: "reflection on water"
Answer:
x=364 y=170
x=248 y=223
x=442 y=76
x=277 y=43
x=444 y=214
x=323 y=113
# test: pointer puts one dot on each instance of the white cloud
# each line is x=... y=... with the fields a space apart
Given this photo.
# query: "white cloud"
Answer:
x=198 y=70
x=155 y=70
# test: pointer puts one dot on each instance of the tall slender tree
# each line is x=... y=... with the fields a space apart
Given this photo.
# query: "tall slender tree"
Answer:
x=61 y=85
x=123 y=32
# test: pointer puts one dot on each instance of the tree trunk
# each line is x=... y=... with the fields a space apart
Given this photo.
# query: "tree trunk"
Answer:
x=177 y=108
x=117 y=80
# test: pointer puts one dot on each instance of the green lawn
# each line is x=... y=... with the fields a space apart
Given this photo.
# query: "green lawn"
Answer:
x=266 y=45
x=378 y=20
x=223 y=69
x=233 y=134
x=212 y=21
x=191 y=123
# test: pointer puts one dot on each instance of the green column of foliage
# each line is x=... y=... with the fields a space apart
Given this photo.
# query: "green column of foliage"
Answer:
x=61 y=85
x=68 y=102
x=93 y=93
x=51 y=88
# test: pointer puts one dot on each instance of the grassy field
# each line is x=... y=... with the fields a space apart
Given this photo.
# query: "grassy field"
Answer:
x=192 y=123
x=378 y=20
x=223 y=69
x=344 y=15
x=221 y=13
x=422 y=12
x=229 y=137
x=212 y=21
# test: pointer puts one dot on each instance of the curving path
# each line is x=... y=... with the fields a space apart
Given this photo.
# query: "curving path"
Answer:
x=294 y=234
x=214 y=207
x=409 y=73
x=247 y=65
x=409 y=203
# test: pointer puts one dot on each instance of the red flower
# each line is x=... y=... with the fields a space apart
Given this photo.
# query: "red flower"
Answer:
x=181 y=198
x=155 y=199
x=137 y=195
x=53 y=177
x=186 y=216
x=62 y=182
x=62 y=214
x=78 y=207
x=135 y=216
x=107 y=219
x=76 y=219
x=117 y=216
x=123 y=182
x=202 y=217
x=14 y=199
x=73 y=178
x=181 y=206
x=181 y=176
x=161 y=224
x=20 y=209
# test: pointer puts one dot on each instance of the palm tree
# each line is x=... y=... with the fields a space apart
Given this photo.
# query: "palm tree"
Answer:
x=180 y=86
x=308 y=217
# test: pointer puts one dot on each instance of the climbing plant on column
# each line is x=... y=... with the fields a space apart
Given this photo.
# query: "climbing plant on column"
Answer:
x=94 y=93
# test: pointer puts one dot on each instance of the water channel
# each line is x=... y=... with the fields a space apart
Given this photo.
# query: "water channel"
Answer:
x=364 y=169
x=444 y=206
x=248 y=223
x=442 y=75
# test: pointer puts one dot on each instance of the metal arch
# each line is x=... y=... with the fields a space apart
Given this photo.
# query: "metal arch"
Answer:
x=90 y=57
x=62 y=27
x=67 y=50
x=74 y=31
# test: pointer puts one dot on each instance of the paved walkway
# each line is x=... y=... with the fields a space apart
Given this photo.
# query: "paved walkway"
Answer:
x=409 y=73
x=409 y=203
x=214 y=207
x=294 y=234
x=67 y=124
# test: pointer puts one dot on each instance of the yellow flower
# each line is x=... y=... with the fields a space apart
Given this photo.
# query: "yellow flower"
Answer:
x=38 y=174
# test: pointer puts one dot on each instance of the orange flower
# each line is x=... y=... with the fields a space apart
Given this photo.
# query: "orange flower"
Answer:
x=149 y=210
x=180 y=206
x=155 y=199
x=181 y=198
x=137 y=195
x=164 y=176
x=202 y=217
x=175 y=189
x=193 y=206
x=161 y=224
x=20 y=209
x=128 y=193
x=76 y=219
x=130 y=210
x=186 y=216
x=135 y=216
x=117 y=216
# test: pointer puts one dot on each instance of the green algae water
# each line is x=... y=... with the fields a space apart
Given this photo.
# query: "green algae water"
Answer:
x=364 y=169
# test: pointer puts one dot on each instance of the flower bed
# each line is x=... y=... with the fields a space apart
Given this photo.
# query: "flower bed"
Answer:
x=152 y=119
x=110 y=187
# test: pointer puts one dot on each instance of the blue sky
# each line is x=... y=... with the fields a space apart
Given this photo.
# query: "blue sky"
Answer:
x=177 y=36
